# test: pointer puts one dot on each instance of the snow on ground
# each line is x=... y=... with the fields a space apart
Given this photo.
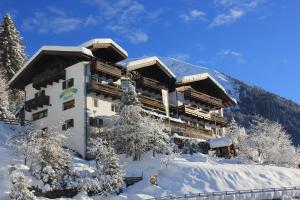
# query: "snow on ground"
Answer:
x=7 y=156
x=185 y=174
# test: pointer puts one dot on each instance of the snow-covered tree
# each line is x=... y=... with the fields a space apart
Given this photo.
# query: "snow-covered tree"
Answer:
x=12 y=55
x=51 y=160
x=134 y=131
x=19 y=187
x=44 y=153
x=271 y=143
x=265 y=142
x=4 y=103
x=109 y=174
x=25 y=144
x=12 y=58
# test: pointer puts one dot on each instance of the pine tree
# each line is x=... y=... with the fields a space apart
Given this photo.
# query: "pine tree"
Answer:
x=12 y=58
x=19 y=189
x=12 y=55
x=4 y=104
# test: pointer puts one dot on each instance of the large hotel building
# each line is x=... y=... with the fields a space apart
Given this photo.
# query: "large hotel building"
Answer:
x=80 y=85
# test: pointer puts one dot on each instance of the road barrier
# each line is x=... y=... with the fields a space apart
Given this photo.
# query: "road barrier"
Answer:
x=265 y=194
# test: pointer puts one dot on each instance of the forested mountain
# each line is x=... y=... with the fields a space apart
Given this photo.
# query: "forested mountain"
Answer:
x=251 y=100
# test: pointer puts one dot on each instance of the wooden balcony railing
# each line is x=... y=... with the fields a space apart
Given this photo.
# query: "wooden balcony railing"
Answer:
x=100 y=67
x=190 y=130
x=106 y=90
x=218 y=119
x=197 y=132
x=210 y=117
x=48 y=77
x=151 y=84
x=199 y=96
x=37 y=102
x=151 y=102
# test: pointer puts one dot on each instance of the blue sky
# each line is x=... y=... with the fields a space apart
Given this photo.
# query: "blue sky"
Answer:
x=256 y=41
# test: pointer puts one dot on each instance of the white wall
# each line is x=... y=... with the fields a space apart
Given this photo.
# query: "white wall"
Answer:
x=76 y=141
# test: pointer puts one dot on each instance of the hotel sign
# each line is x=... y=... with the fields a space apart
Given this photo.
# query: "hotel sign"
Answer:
x=68 y=93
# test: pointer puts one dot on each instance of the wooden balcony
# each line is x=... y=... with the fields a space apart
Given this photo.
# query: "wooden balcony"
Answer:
x=155 y=103
x=190 y=93
x=37 y=102
x=212 y=118
x=106 y=90
x=186 y=130
x=150 y=84
x=48 y=77
x=218 y=119
x=109 y=70
x=197 y=132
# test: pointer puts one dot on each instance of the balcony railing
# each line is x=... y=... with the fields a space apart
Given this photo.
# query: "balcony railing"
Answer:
x=104 y=89
x=200 y=97
x=190 y=130
x=100 y=67
x=48 y=77
x=151 y=84
x=37 y=102
x=203 y=115
x=197 y=132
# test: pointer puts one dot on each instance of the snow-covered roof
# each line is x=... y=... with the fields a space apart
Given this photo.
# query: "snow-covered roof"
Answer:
x=220 y=142
x=200 y=77
x=104 y=41
x=70 y=49
x=205 y=76
x=145 y=62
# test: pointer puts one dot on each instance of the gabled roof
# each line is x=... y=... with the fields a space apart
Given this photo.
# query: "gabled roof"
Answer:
x=24 y=75
x=148 y=62
x=107 y=48
x=199 y=77
x=203 y=81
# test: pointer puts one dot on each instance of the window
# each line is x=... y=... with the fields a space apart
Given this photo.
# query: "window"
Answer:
x=69 y=104
x=96 y=122
x=39 y=115
x=114 y=108
x=68 y=124
x=68 y=83
x=96 y=103
x=39 y=93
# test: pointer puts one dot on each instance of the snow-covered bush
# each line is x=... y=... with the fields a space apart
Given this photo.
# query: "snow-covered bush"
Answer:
x=19 y=187
x=109 y=178
x=236 y=134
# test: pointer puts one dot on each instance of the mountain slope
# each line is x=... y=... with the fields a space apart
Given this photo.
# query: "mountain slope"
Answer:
x=251 y=100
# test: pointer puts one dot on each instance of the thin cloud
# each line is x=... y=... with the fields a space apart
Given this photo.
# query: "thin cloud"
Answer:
x=193 y=15
x=228 y=52
x=126 y=18
x=53 y=20
x=233 y=10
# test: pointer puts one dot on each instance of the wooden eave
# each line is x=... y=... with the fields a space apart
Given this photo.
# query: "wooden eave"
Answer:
x=44 y=61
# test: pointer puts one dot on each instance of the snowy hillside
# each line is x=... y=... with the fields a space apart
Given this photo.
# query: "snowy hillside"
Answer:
x=251 y=100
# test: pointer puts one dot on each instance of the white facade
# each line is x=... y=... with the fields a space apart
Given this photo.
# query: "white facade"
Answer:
x=56 y=114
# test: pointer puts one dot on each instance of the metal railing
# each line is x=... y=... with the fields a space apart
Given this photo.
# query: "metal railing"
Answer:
x=210 y=195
